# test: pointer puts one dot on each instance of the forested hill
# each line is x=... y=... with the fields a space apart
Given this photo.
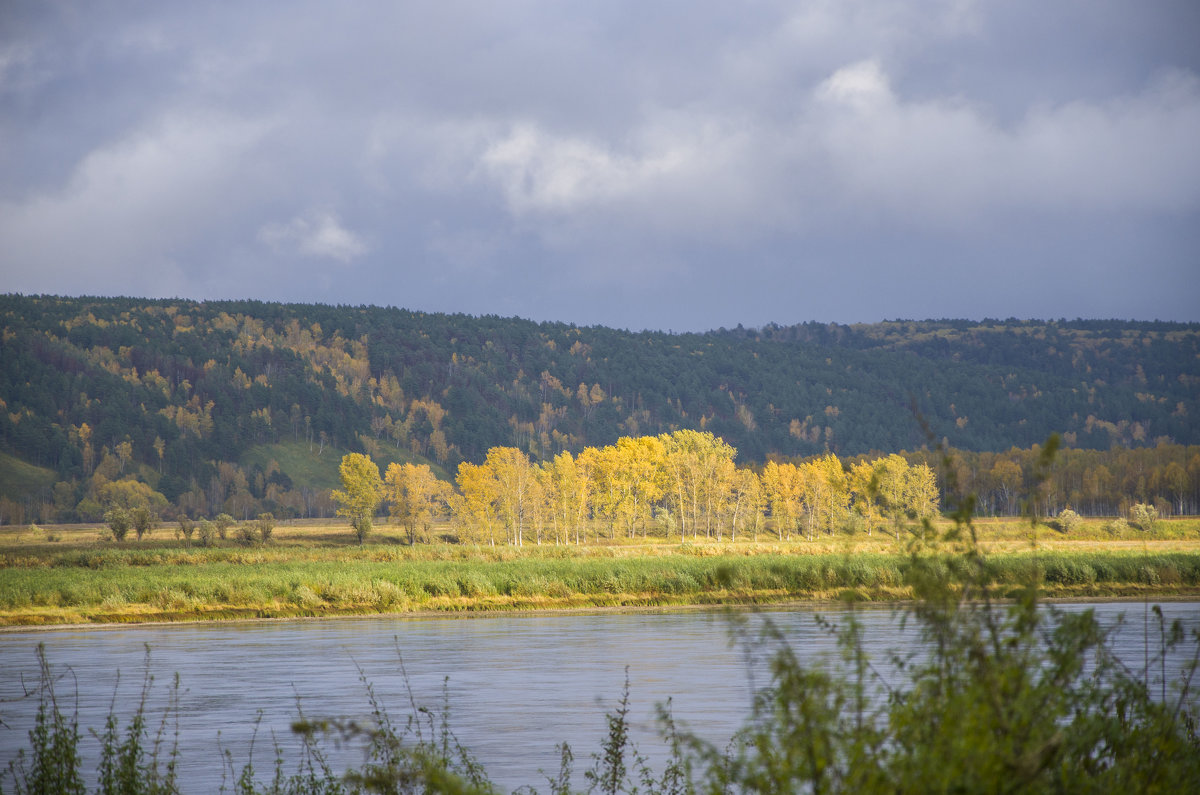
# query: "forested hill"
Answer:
x=171 y=388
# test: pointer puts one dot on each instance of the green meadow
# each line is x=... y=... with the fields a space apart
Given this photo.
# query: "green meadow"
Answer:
x=76 y=575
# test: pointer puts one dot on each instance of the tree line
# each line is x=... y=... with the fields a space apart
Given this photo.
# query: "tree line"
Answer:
x=682 y=485
x=1090 y=482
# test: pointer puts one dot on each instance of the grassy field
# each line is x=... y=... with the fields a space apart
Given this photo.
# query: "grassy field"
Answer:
x=74 y=574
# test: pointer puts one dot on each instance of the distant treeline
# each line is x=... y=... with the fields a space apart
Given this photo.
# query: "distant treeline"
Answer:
x=192 y=399
x=616 y=479
x=1090 y=482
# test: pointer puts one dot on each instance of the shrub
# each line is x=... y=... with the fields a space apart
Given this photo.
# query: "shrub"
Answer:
x=207 y=532
x=265 y=526
x=1116 y=527
x=118 y=521
x=187 y=528
x=223 y=522
x=54 y=762
x=49 y=535
x=1067 y=520
x=1144 y=516
x=144 y=520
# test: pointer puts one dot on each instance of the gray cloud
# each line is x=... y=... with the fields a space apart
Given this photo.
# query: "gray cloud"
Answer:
x=667 y=165
x=317 y=233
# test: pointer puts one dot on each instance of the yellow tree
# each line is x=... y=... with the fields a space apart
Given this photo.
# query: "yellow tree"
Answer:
x=782 y=487
x=415 y=495
x=541 y=506
x=716 y=466
x=864 y=491
x=622 y=457
x=562 y=492
x=719 y=494
x=746 y=502
x=608 y=487
x=124 y=452
x=826 y=493
x=641 y=460
x=921 y=492
x=475 y=507
x=361 y=491
x=586 y=465
x=514 y=478
x=681 y=466
x=892 y=478
x=693 y=463
x=128 y=493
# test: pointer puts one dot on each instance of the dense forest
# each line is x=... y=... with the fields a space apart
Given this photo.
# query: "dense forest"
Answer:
x=241 y=406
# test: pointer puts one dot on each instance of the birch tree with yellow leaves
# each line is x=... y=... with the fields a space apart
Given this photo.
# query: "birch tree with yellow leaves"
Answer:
x=415 y=496
x=361 y=491
x=515 y=489
x=474 y=508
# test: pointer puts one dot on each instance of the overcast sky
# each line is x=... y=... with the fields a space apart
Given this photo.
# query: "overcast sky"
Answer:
x=664 y=165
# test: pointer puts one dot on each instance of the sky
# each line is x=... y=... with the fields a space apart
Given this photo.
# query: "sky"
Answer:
x=675 y=166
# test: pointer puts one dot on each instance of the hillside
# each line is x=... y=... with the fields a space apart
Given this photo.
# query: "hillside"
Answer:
x=168 y=390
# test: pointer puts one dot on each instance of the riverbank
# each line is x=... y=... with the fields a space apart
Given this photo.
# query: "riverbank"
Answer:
x=311 y=571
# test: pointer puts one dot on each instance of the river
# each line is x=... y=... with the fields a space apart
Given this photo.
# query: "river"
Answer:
x=516 y=685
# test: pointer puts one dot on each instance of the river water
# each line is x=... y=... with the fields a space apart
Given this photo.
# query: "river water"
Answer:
x=516 y=685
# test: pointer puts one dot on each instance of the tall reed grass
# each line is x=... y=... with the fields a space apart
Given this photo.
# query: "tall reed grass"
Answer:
x=115 y=587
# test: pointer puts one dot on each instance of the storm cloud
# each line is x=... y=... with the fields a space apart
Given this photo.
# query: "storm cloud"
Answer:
x=681 y=165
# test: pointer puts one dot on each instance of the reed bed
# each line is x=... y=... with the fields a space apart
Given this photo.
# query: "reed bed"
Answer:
x=118 y=585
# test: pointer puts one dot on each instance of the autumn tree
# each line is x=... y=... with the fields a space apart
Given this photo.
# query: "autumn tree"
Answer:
x=892 y=480
x=514 y=478
x=921 y=492
x=540 y=510
x=610 y=490
x=572 y=490
x=361 y=491
x=129 y=494
x=144 y=520
x=642 y=460
x=826 y=496
x=415 y=495
x=746 y=502
x=118 y=521
x=783 y=492
x=562 y=487
x=692 y=463
x=864 y=491
x=1007 y=477
x=475 y=506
